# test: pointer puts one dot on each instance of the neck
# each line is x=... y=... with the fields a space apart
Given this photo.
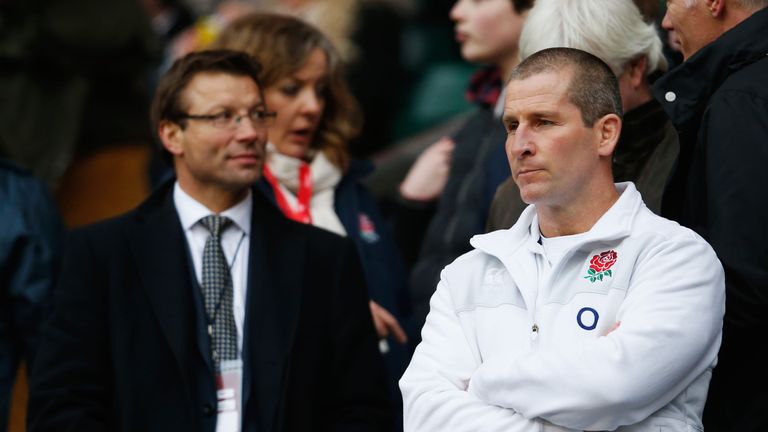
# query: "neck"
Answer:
x=579 y=216
x=641 y=96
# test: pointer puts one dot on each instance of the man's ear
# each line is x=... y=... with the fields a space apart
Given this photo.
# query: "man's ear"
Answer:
x=608 y=129
x=636 y=71
x=170 y=134
x=716 y=7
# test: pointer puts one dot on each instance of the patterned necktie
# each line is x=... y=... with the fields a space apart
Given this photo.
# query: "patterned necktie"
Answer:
x=218 y=292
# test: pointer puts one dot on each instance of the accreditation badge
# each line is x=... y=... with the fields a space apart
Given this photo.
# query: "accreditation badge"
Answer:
x=229 y=395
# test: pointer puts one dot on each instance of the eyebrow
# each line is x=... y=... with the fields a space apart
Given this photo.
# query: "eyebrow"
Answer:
x=532 y=114
x=258 y=104
x=544 y=114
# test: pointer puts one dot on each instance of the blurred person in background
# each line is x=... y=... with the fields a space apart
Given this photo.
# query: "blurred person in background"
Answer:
x=308 y=173
x=367 y=35
x=614 y=31
x=30 y=247
x=448 y=190
x=718 y=101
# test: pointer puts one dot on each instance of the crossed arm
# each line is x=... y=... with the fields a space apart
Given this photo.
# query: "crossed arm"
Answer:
x=669 y=335
x=434 y=386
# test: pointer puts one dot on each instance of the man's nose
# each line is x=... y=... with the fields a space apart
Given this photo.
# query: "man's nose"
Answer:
x=248 y=129
x=519 y=143
x=666 y=23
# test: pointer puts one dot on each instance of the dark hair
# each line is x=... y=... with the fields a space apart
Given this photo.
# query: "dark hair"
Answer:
x=167 y=103
x=594 y=88
x=521 y=6
x=282 y=44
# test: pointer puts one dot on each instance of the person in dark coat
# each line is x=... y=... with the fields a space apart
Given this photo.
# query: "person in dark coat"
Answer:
x=648 y=145
x=30 y=247
x=205 y=309
x=718 y=101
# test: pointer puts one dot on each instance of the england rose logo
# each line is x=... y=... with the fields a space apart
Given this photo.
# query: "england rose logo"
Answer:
x=600 y=265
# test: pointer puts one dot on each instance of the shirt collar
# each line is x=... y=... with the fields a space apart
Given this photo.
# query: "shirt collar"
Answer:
x=615 y=223
x=191 y=211
x=485 y=86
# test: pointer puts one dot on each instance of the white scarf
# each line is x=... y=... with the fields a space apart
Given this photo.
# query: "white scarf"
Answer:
x=325 y=176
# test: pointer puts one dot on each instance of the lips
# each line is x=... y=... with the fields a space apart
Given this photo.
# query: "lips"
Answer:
x=248 y=158
x=461 y=37
x=526 y=172
x=302 y=135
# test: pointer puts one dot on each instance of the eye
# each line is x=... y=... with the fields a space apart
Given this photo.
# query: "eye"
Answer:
x=290 y=89
x=545 y=122
x=222 y=118
x=512 y=127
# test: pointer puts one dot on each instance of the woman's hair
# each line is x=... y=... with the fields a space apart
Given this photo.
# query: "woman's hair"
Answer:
x=613 y=30
x=282 y=45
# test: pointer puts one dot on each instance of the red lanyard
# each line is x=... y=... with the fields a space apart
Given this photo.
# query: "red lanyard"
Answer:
x=301 y=212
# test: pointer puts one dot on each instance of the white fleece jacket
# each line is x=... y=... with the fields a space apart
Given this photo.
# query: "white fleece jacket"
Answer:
x=505 y=349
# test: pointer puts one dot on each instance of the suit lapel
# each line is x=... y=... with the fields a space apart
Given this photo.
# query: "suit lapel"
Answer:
x=159 y=249
x=276 y=272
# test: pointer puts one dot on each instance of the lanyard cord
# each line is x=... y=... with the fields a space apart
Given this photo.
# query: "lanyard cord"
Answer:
x=212 y=320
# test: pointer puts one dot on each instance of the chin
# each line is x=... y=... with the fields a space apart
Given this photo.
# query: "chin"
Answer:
x=297 y=151
x=470 y=53
x=531 y=194
x=246 y=177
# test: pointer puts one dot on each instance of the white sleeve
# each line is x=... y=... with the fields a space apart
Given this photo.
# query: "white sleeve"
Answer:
x=671 y=321
x=434 y=386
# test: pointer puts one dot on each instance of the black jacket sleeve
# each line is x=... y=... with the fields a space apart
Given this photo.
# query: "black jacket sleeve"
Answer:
x=69 y=388
x=735 y=130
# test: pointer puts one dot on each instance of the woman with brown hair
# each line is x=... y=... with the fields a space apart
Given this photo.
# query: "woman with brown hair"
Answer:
x=308 y=172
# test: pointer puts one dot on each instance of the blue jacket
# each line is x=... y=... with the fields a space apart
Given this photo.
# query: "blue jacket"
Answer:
x=30 y=240
x=357 y=210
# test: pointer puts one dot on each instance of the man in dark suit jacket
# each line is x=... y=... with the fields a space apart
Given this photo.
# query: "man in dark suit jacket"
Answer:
x=131 y=345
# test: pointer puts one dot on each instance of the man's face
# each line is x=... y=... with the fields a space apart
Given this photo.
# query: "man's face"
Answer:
x=488 y=30
x=552 y=155
x=693 y=26
x=211 y=158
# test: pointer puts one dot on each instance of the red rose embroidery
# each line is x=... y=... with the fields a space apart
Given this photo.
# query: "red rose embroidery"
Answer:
x=604 y=261
x=599 y=265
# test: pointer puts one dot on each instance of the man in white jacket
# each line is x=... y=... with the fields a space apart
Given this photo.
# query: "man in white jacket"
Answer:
x=591 y=312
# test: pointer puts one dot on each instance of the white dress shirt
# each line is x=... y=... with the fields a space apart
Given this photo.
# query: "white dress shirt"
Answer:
x=235 y=241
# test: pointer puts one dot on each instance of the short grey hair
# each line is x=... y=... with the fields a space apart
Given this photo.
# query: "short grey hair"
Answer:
x=613 y=30
x=750 y=5
x=594 y=88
